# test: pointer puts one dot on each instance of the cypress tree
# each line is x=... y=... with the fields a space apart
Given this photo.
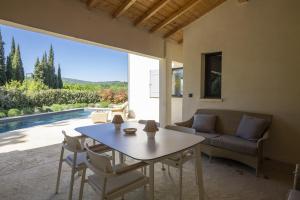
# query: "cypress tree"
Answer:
x=17 y=66
x=51 y=68
x=2 y=62
x=55 y=83
x=38 y=73
x=44 y=66
x=59 y=79
x=9 y=69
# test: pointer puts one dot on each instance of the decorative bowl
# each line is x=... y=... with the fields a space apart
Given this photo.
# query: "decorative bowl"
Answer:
x=129 y=130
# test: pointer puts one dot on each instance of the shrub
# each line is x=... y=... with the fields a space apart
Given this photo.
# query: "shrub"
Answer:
x=91 y=105
x=104 y=104
x=27 y=111
x=56 y=107
x=50 y=97
x=13 y=98
x=2 y=114
x=13 y=112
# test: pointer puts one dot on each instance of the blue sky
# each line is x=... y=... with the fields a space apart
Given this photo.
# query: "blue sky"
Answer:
x=77 y=60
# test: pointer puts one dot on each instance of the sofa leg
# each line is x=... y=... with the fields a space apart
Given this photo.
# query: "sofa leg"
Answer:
x=210 y=158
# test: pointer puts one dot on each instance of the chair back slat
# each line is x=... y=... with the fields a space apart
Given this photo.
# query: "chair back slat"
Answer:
x=297 y=177
x=181 y=129
x=72 y=143
x=99 y=162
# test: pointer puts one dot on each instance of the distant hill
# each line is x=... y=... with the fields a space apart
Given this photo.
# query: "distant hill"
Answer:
x=71 y=80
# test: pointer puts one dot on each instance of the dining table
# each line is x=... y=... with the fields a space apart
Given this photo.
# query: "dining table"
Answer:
x=138 y=146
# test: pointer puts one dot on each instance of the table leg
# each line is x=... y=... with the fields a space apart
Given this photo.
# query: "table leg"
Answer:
x=121 y=158
x=151 y=181
x=198 y=166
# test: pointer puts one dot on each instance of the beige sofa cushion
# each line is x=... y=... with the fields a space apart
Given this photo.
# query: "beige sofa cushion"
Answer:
x=234 y=143
x=228 y=120
x=251 y=128
x=204 y=123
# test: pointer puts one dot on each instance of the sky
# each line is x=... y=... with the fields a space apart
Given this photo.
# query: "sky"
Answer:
x=77 y=60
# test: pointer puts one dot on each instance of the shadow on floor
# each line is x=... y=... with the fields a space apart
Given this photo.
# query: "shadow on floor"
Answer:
x=12 y=138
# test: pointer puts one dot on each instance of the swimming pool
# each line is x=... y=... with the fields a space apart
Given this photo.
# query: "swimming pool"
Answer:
x=41 y=120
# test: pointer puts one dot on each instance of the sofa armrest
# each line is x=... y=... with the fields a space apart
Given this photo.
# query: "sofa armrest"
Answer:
x=262 y=139
x=187 y=123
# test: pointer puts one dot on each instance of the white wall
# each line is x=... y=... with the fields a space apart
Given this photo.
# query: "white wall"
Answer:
x=176 y=102
x=260 y=65
x=176 y=115
x=140 y=102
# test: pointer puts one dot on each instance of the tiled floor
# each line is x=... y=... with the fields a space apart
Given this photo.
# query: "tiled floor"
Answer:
x=29 y=161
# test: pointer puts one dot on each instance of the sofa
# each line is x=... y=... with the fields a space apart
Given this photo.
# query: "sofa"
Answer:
x=224 y=142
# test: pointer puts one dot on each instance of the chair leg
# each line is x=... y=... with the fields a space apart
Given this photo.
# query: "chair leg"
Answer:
x=169 y=170
x=82 y=184
x=163 y=167
x=196 y=174
x=59 y=170
x=113 y=158
x=180 y=178
x=72 y=177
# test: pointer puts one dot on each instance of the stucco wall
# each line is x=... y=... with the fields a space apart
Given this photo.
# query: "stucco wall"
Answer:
x=176 y=114
x=140 y=102
x=260 y=67
x=73 y=19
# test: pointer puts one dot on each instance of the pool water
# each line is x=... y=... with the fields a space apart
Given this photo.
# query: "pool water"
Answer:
x=41 y=120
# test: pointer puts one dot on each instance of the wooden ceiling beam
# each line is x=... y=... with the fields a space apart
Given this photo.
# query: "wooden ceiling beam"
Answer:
x=151 y=12
x=125 y=6
x=176 y=14
x=175 y=30
x=91 y=3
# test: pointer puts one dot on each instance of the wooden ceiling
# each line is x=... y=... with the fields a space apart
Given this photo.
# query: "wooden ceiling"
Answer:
x=166 y=17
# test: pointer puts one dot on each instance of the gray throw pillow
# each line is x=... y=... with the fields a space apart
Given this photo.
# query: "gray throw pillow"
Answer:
x=204 y=123
x=251 y=128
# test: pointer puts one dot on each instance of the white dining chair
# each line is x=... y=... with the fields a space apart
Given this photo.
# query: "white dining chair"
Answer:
x=108 y=181
x=178 y=160
x=76 y=159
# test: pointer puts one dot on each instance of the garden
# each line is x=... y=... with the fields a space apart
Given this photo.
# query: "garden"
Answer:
x=33 y=96
x=45 y=90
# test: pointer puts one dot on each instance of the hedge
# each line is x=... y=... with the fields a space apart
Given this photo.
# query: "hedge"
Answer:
x=50 y=97
x=17 y=99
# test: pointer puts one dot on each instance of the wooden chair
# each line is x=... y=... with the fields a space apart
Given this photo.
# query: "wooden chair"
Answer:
x=294 y=193
x=76 y=160
x=178 y=160
x=111 y=182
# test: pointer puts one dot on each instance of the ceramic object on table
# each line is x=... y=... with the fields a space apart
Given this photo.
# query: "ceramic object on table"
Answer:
x=117 y=121
x=151 y=128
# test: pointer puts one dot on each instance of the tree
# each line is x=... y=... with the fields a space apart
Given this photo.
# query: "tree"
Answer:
x=9 y=69
x=59 y=79
x=44 y=66
x=17 y=66
x=38 y=73
x=51 y=68
x=2 y=62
